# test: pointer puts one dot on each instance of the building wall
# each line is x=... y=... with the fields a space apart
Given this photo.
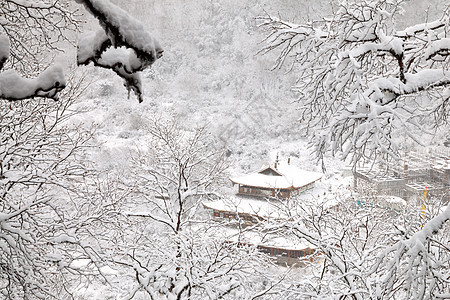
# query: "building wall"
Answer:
x=230 y=216
x=264 y=192
x=288 y=256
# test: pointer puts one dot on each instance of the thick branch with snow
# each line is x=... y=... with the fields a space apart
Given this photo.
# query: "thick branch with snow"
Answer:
x=48 y=84
x=15 y=87
x=124 y=45
x=4 y=50
x=30 y=29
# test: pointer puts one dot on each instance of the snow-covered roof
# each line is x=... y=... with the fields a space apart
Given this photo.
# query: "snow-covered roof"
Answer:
x=392 y=200
x=263 y=181
x=287 y=242
x=250 y=206
x=421 y=186
x=290 y=177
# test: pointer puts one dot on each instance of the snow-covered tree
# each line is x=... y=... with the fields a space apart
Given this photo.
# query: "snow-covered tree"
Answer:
x=178 y=166
x=41 y=162
x=176 y=252
x=46 y=224
x=372 y=252
x=361 y=78
x=30 y=30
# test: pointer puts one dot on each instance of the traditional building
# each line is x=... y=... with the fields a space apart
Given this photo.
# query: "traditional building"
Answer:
x=262 y=196
x=277 y=181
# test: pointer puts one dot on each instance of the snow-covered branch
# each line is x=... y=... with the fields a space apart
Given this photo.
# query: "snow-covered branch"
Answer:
x=416 y=264
x=366 y=257
x=40 y=164
x=360 y=79
x=35 y=29
x=30 y=30
x=48 y=84
x=133 y=48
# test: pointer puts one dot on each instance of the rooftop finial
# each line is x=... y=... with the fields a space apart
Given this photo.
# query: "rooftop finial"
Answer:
x=276 y=162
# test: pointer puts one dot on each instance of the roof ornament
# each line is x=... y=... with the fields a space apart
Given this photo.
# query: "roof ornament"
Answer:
x=276 y=162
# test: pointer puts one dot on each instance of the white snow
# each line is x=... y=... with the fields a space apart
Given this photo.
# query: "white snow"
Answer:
x=414 y=82
x=429 y=229
x=126 y=57
x=388 y=44
x=437 y=46
x=424 y=78
x=89 y=43
x=4 y=48
x=63 y=238
x=392 y=202
x=298 y=177
x=130 y=49
x=15 y=87
x=394 y=199
x=257 y=238
x=255 y=207
x=263 y=181
x=396 y=45
x=291 y=177
x=423 y=27
x=132 y=31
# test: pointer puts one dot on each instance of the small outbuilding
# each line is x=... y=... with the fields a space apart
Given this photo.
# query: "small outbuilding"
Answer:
x=286 y=250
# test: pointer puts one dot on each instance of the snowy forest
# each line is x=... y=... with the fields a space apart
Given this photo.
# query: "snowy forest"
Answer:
x=132 y=132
